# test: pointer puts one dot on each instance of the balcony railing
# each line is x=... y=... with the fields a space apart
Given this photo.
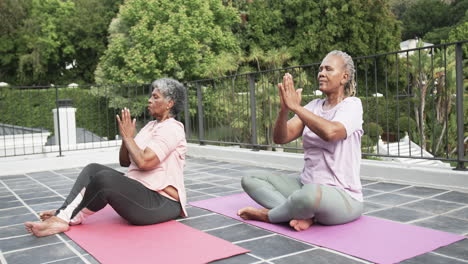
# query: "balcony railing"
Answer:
x=415 y=108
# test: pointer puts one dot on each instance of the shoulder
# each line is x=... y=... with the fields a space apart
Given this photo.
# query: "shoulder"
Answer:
x=171 y=125
x=312 y=104
x=353 y=102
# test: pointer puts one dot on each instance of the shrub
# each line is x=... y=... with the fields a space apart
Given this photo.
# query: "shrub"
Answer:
x=373 y=131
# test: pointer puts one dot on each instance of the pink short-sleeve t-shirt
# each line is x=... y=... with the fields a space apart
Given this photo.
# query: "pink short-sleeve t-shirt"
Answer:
x=167 y=140
x=335 y=163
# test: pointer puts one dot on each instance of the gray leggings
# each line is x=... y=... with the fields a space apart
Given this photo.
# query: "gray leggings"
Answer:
x=129 y=198
x=289 y=199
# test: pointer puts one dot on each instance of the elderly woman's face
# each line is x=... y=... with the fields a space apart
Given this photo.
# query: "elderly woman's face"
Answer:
x=158 y=106
x=332 y=74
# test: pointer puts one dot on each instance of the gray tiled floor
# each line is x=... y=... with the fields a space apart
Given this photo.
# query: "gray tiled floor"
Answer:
x=21 y=196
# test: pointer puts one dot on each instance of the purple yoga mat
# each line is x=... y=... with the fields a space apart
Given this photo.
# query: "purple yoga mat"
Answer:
x=374 y=239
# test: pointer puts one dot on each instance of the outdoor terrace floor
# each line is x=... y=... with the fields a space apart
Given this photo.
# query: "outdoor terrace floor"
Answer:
x=23 y=195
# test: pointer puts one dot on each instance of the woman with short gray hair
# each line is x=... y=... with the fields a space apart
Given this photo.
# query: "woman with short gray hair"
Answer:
x=328 y=190
x=152 y=190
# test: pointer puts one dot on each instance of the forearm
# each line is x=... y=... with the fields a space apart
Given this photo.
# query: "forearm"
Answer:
x=280 y=132
x=325 y=129
x=142 y=159
x=124 y=158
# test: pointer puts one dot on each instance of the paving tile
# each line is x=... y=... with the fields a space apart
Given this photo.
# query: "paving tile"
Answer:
x=226 y=181
x=4 y=192
x=9 y=198
x=60 y=185
x=44 y=200
x=10 y=204
x=457 y=250
x=199 y=186
x=13 y=230
x=236 y=185
x=39 y=254
x=63 y=171
x=22 y=186
x=190 y=181
x=457 y=197
x=200 y=198
x=13 y=177
x=40 y=174
x=217 y=190
x=366 y=182
x=17 y=219
x=91 y=259
x=315 y=256
x=71 y=176
x=368 y=192
x=191 y=193
x=274 y=246
x=462 y=213
x=400 y=214
x=209 y=222
x=390 y=199
x=230 y=193
x=16 y=183
x=385 y=186
x=431 y=258
x=217 y=171
x=420 y=191
x=433 y=206
x=369 y=207
x=27 y=241
x=46 y=206
x=195 y=211
x=75 y=246
x=14 y=211
x=239 y=259
x=32 y=190
x=71 y=260
x=37 y=195
x=444 y=223
x=238 y=232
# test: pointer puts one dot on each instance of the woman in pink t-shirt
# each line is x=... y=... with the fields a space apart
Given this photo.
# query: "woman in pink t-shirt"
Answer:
x=328 y=190
x=152 y=191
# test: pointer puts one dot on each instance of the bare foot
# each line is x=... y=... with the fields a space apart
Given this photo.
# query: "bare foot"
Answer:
x=51 y=226
x=250 y=213
x=301 y=224
x=44 y=215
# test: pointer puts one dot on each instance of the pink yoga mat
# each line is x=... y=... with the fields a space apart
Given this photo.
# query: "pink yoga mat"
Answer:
x=110 y=239
x=374 y=239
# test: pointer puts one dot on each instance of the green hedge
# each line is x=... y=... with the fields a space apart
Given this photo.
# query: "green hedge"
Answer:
x=33 y=108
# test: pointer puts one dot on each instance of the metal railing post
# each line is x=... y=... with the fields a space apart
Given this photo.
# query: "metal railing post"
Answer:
x=58 y=121
x=253 y=111
x=459 y=105
x=201 y=129
x=187 y=114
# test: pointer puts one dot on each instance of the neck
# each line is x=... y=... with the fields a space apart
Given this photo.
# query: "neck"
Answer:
x=334 y=99
x=163 y=118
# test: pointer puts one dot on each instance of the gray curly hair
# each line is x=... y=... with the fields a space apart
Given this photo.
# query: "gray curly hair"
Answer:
x=350 y=86
x=171 y=90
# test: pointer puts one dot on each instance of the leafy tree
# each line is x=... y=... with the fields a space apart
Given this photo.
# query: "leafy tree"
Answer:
x=12 y=14
x=181 y=39
x=423 y=16
x=44 y=45
x=311 y=29
x=433 y=20
x=87 y=29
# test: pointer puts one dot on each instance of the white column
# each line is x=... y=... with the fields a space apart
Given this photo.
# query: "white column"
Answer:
x=67 y=127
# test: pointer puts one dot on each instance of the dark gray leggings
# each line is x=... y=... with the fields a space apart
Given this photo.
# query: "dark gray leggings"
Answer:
x=129 y=198
x=289 y=199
